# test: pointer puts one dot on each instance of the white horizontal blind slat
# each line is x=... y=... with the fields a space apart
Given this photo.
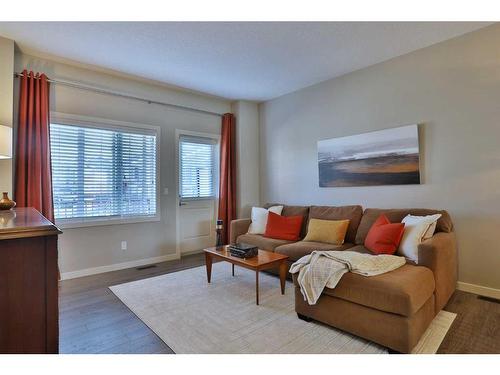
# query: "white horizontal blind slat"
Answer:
x=197 y=167
x=102 y=173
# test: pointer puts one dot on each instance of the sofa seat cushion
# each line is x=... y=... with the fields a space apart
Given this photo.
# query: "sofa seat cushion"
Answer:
x=402 y=291
x=297 y=250
x=261 y=242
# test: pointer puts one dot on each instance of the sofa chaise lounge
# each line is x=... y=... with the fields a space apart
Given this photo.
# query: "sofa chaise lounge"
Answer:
x=393 y=309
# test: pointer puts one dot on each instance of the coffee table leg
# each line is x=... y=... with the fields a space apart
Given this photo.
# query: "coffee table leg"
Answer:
x=283 y=276
x=233 y=268
x=256 y=287
x=208 y=263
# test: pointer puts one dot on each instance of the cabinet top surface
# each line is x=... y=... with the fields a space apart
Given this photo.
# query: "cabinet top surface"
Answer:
x=25 y=222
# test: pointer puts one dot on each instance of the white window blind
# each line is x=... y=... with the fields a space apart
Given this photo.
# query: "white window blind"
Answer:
x=103 y=173
x=197 y=167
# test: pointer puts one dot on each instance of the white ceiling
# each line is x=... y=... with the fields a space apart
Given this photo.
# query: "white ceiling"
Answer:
x=235 y=60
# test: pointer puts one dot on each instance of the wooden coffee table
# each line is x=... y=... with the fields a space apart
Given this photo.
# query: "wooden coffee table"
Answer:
x=263 y=261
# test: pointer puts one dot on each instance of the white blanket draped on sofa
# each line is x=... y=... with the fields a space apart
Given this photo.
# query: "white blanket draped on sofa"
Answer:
x=326 y=268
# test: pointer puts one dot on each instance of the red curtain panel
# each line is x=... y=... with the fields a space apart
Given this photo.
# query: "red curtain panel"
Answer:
x=33 y=186
x=227 y=183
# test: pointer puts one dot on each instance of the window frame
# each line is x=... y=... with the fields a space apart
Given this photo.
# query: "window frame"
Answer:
x=216 y=155
x=107 y=124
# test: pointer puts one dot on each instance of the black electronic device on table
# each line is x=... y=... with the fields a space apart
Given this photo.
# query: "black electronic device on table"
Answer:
x=243 y=250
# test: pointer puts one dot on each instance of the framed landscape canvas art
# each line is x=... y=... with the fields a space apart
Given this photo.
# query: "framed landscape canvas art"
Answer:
x=384 y=157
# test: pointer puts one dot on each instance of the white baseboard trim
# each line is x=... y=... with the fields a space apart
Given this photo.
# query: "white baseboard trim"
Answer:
x=117 y=266
x=192 y=252
x=478 y=289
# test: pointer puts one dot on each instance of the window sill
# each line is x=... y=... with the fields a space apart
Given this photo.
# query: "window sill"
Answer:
x=97 y=222
x=194 y=199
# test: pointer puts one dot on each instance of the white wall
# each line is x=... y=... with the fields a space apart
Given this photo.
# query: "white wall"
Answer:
x=453 y=90
x=6 y=104
x=99 y=246
x=247 y=156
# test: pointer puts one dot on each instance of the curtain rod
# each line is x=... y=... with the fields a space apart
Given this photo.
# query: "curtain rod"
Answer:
x=83 y=86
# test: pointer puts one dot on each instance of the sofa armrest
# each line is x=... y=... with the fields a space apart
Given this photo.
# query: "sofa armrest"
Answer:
x=439 y=253
x=238 y=227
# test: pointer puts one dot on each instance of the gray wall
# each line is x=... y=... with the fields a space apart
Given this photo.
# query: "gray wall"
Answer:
x=99 y=246
x=247 y=156
x=453 y=90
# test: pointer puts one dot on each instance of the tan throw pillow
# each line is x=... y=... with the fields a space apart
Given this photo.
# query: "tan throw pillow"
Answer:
x=328 y=231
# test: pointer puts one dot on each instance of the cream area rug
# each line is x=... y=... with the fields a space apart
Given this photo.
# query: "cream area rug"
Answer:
x=192 y=316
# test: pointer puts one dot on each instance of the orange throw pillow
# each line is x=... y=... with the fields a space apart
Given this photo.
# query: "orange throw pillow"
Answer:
x=384 y=237
x=283 y=227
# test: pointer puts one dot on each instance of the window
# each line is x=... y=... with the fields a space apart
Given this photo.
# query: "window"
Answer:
x=197 y=167
x=101 y=172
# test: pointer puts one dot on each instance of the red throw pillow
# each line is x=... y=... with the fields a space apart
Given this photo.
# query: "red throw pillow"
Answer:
x=283 y=227
x=384 y=237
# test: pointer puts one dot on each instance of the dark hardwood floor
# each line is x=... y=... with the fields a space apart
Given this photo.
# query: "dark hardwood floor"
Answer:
x=93 y=320
x=476 y=328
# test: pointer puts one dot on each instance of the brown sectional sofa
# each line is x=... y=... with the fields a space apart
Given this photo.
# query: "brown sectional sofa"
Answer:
x=393 y=309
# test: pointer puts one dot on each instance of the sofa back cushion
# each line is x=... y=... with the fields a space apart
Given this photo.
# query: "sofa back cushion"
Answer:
x=351 y=213
x=444 y=224
x=294 y=211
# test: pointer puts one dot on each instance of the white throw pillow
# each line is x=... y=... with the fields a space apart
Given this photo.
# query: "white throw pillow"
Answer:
x=416 y=230
x=259 y=218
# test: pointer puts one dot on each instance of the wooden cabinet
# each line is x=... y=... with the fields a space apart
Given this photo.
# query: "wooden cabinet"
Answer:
x=29 y=313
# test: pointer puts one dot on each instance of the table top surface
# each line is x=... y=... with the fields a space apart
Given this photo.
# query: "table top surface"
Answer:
x=25 y=222
x=263 y=257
